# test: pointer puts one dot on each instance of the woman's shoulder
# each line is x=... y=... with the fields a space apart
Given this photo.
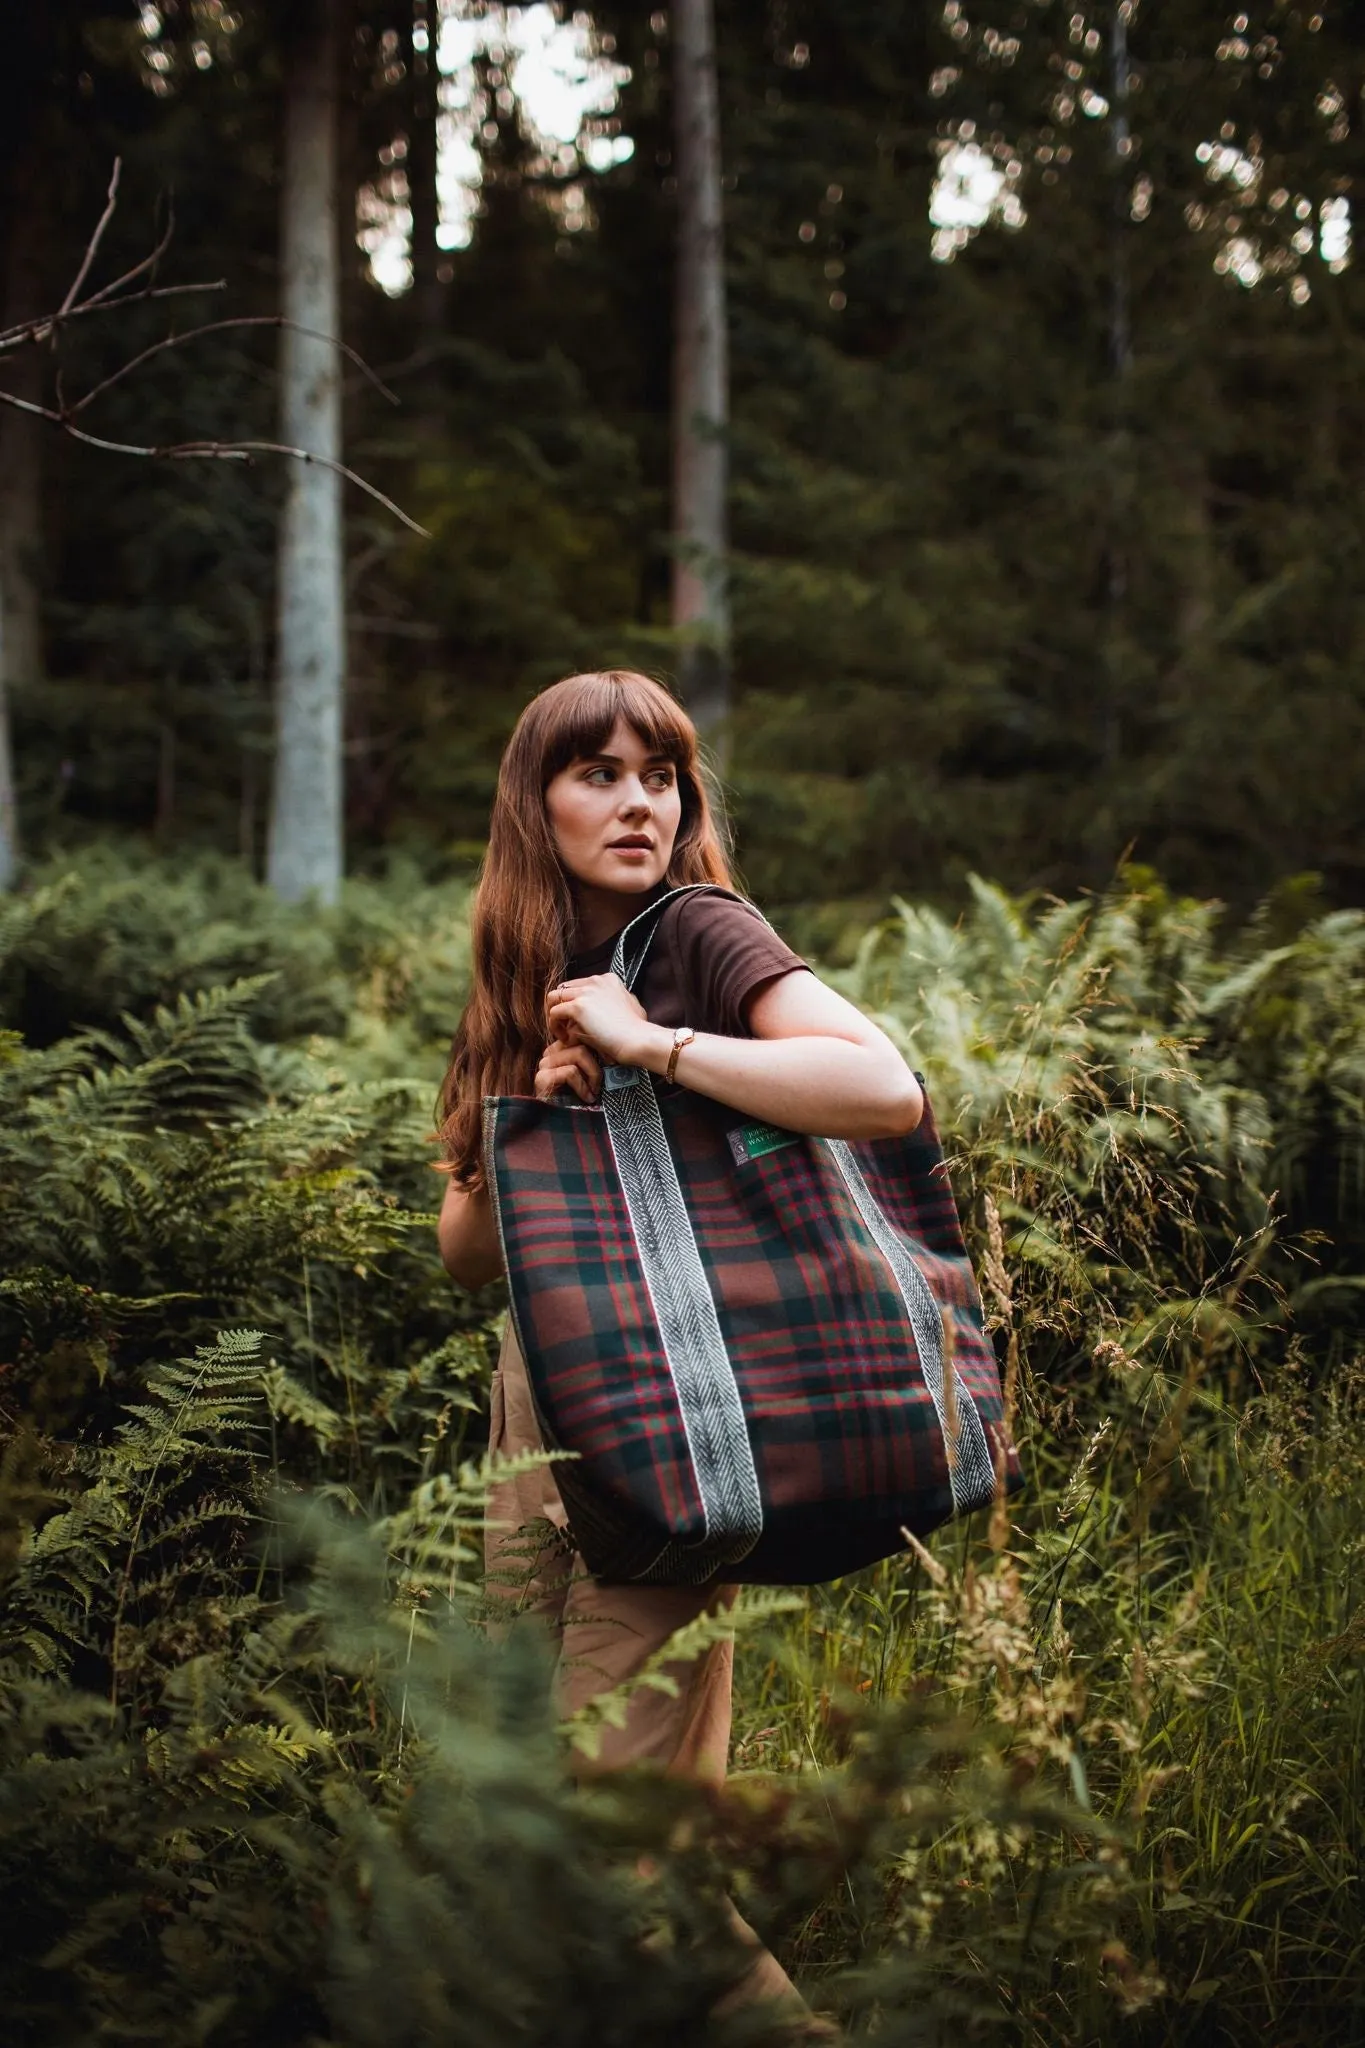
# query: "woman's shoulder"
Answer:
x=712 y=908
x=712 y=917
x=723 y=949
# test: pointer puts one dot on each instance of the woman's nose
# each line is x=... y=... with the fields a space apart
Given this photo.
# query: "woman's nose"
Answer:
x=634 y=797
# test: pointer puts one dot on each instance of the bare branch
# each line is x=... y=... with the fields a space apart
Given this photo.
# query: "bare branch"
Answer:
x=48 y=323
x=92 y=245
x=148 y=263
x=212 y=451
x=63 y=416
x=218 y=327
x=39 y=329
x=229 y=448
x=42 y=412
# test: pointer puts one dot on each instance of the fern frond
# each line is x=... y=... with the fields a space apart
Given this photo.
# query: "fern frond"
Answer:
x=755 y=1606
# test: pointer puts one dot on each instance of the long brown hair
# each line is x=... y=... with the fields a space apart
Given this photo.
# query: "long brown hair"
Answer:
x=524 y=917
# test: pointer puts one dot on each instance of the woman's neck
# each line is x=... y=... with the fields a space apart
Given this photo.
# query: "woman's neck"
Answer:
x=602 y=913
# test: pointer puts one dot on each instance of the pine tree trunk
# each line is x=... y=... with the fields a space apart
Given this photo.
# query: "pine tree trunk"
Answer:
x=20 y=635
x=427 y=296
x=701 y=612
x=9 y=814
x=305 y=850
x=21 y=462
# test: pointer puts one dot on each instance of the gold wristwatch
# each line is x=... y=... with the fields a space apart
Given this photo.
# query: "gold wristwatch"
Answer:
x=681 y=1037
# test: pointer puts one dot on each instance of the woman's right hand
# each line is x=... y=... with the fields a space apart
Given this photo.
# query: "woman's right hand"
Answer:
x=575 y=1067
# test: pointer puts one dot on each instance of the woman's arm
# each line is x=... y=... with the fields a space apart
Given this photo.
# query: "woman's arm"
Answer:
x=468 y=1237
x=814 y=1064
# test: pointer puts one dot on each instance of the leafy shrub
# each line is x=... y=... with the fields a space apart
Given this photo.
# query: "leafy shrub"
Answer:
x=111 y=933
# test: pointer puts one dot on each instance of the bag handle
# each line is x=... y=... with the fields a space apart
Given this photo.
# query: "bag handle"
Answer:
x=633 y=943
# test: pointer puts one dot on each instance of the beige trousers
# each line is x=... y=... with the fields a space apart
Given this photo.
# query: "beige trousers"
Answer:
x=605 y=1633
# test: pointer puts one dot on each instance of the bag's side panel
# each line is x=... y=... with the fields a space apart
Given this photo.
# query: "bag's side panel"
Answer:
x=970 y=1465
x=909 y=1179
x=845 y=1434
x=583 y=1310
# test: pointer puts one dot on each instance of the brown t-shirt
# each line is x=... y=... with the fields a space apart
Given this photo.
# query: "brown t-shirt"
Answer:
x=709 y=957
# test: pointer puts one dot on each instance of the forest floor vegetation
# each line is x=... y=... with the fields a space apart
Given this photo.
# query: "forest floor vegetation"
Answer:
x=1085 y=1770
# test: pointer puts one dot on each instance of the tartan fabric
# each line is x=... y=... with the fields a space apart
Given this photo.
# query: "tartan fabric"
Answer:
x=582 y=1309
x=847 y=1443
x=909 y=1177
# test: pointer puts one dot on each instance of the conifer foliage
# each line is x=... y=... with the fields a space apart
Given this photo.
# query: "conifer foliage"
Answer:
x=993 y=606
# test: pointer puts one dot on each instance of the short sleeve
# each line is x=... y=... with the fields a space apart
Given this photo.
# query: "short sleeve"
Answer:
x=722 y=952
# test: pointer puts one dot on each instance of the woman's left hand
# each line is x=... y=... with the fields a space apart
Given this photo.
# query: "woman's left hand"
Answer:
x=599 y=1011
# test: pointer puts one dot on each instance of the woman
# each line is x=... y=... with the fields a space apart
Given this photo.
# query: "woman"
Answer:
x=601 y=806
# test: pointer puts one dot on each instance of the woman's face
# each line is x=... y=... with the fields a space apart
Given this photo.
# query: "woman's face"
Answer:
x=614 y=818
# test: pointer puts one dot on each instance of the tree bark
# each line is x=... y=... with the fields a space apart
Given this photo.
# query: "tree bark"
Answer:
x=9 y=814
x=701 y=609
x=21 y=464
x=305 y=856
x=427 y=297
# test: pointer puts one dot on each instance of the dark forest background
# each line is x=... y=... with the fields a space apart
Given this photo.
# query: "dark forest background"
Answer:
x=1045 y=568
x=1042 y=556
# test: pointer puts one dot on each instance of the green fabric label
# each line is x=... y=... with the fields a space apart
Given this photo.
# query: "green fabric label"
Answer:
x=751 y=1141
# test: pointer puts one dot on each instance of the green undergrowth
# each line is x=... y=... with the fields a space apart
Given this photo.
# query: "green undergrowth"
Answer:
x=1083 y=1771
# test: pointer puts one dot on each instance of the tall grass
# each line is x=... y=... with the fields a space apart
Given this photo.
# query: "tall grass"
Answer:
x=1170 y=1625
x=1196 y=1686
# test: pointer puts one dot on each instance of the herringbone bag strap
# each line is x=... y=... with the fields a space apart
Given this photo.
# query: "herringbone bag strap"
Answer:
x=633 y=943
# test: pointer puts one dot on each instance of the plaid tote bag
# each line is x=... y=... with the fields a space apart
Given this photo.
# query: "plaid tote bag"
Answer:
x=765 y=1350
